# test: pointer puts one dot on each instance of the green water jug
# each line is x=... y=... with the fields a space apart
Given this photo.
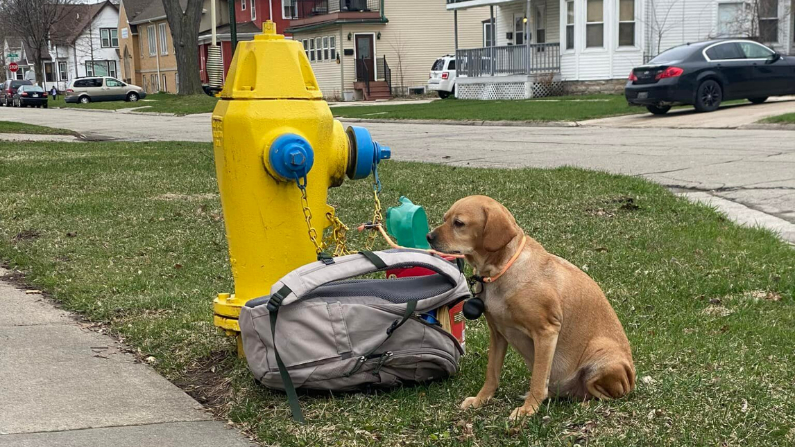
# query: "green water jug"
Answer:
x=408 y=223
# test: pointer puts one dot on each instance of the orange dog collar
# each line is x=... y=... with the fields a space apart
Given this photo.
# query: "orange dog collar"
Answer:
x=489 y=279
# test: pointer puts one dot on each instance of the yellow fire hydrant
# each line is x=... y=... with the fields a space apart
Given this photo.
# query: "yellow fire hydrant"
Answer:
x=275 y=141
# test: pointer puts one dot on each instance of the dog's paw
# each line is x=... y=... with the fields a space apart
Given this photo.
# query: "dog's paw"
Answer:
x=522 y=412
x=472 y=402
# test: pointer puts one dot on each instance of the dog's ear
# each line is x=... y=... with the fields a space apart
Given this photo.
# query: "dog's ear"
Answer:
x=499 y=229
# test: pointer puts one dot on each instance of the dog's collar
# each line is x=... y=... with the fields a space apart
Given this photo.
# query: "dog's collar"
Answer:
x=490 y=279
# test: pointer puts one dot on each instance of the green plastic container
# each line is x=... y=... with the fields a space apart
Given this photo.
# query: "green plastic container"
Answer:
x=408 y=223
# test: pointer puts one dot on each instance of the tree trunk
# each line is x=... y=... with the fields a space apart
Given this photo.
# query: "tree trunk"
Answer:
x=185 y=35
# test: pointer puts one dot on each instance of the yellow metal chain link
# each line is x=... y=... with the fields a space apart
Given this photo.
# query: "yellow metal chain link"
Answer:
x=378 y=219
x=338 y=235
x=308 y=218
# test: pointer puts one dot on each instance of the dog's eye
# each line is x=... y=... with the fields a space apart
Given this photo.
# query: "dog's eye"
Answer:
x=458 y=224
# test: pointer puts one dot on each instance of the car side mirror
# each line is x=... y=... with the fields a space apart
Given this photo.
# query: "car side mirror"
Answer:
x=773 y=58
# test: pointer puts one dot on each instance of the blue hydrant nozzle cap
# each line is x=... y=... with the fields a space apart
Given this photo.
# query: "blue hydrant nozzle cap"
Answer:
x=291 y=156
x=364 y=153
x=386 y=152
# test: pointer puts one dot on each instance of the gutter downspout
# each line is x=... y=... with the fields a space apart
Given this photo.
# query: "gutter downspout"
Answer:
x=270 y=7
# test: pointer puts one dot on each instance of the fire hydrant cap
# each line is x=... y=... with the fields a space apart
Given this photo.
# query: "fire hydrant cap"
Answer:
x=291 y=156
x=365 y=153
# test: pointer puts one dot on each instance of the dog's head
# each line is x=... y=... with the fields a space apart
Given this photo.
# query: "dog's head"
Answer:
x=474 y=225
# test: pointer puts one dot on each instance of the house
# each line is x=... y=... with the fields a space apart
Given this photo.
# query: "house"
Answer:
x=539 y=47
x=249 y=16
x=369 y=49
x=82 y=43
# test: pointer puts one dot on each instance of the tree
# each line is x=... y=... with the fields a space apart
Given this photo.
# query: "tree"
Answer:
x=759 y=20
x=660 y=22
x=399 y=47
x=184 y=26
x=34 y=22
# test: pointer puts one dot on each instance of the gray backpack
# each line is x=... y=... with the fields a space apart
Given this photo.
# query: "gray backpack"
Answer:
x=339 y=333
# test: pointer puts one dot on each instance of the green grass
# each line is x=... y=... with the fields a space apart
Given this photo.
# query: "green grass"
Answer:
x=566 y=108
x=148 y=258
x=157 y=102
x=787 y=118
x=14 y=127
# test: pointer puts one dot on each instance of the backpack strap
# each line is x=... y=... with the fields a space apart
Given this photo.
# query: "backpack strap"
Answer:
x=274 y=304
x=410 y=306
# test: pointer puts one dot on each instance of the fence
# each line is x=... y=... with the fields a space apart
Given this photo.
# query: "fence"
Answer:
x=508 y=60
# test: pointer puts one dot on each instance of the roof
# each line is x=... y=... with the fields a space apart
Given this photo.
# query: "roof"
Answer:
x=153 y=10
x=75 y=19
x=242 y=28
x=133 y=8
x=29 y=52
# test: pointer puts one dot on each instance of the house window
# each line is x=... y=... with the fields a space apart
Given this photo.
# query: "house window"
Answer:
x=325 y=48
x=728 y=17
x=768 y=21
x=289 y=9
x=49 y=72
x=109 y=37
x=306 y=47
x=163 y=39
x=570 y=25
x=63 y=70
x=253 y=10
x=141 y=44
x=626 y=23
x=319 y=48
x=595 y=26
x=541 y=26
x=518 y=29
x=165 y=84
x=150 y=34
x=487 y=42
x=101 y=68
x=243 y=4
x=311 y=49
x=154 y=83
x=333 y=47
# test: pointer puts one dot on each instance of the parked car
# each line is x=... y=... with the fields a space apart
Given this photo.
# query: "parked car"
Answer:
x=102 y=88
x=9 y=88
x=442 y=76
x=30 y=96
x=704 y=74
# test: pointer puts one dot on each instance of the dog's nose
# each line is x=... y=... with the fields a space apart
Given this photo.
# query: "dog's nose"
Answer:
x=430 y=237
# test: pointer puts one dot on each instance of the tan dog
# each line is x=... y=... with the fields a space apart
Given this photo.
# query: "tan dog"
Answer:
x=555 y=315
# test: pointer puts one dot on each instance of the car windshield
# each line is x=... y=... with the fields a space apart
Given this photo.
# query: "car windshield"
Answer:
x=675 y=54
x=33 y=88
x=438 y=65
x=15 y=84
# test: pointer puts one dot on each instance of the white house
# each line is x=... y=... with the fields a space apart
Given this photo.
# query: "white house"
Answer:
x=83 y=43
x=536 y=47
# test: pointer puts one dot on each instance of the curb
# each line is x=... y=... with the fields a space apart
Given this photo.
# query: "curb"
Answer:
x=464 y=122
x=769 y=126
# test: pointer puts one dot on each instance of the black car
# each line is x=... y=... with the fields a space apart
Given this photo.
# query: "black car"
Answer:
x=704 y=74
x=30 y=96
x=9 y=89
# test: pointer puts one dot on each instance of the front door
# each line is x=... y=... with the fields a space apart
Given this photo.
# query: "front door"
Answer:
x=365 y=58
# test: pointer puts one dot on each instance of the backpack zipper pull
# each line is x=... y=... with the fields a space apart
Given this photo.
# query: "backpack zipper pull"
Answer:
x=381 y=361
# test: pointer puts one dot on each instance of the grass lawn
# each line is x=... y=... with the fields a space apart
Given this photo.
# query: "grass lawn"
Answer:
x=565 y=108
x=787 y=118
x=707 y=305
x=14 y=127
x=158 y=102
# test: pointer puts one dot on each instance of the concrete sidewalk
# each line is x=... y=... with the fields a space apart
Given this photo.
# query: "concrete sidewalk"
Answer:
x=63 y=385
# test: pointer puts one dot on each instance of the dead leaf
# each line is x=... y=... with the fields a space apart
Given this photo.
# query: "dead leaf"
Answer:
x=71 y=234
x=177 y=266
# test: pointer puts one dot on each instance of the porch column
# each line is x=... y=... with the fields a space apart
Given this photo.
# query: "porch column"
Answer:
x=455 y=27
x=493 y=40
x=528 y=54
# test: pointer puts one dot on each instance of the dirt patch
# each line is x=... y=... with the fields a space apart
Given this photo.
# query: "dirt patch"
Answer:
x=204 y=382
x=717 y=311
x=188 y=197
x=26 y=235
x=610 y=208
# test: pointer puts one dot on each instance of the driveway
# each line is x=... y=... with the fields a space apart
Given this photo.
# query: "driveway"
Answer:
x=752 y=170
x=727 y=117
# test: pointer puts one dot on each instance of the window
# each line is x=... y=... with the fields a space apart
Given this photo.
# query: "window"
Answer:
x=243 y=4
x=101 y=68
x=333 y=47
x=141 y=44
x=49 y=72
x=325 y=49
x=63 y=70
x=541 y=25
x=518 y=29
x=487 y=42
x=113 y=83
x=306 y=47
x=451 y=65
x=626 y=23
x=163 y=39
x=595 y=26
x=154 y=83
x=311 y=49
x=176 y=81
x=165 y=84
x=768 y=21
x=109 y=37
x=755 y=51
x=83 y=83
x=319 y=48
x=726 y=51
x=729 y=17
x=289 y=9
x=253 y=10
x=570 y=25
x=150 y=34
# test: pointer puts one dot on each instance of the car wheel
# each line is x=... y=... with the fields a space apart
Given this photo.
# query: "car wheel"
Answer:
x=132 y=97
x=758 y=100
x=85 y=100
x=443 y=94
x=708 y=96
x=658 y=110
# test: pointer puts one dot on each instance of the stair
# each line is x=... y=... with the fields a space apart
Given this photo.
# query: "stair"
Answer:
x=378 y=90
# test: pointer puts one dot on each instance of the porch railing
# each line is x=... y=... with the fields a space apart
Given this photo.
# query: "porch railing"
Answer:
x=508 y=60
x=383 y=72
x=302 y=9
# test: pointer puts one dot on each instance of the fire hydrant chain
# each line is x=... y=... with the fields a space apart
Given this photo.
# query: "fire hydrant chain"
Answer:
x=308 y=218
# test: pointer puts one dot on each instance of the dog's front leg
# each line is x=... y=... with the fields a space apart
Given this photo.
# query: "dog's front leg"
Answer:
x=544 y=342
x=498 y=346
